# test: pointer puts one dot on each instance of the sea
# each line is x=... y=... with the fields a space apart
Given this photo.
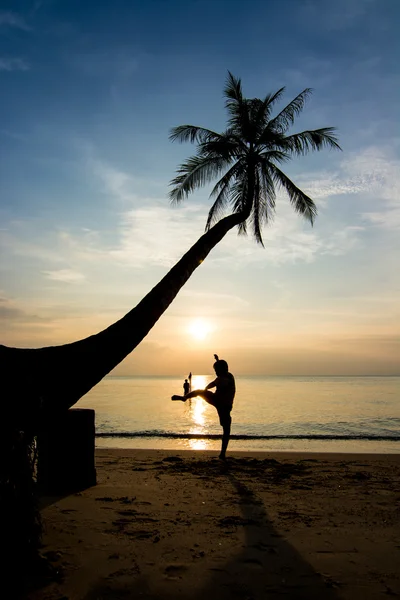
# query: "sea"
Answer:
x=311 y=414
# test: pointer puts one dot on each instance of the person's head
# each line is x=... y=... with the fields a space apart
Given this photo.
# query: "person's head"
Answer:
x=186 y=380
x=220 y=366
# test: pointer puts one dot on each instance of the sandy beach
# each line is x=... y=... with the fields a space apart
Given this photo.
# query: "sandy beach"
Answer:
x=180 y=524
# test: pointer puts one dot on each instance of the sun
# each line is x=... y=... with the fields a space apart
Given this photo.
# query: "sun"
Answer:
x=199 y=329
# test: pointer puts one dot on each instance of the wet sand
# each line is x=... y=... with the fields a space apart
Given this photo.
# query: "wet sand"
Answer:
x=179 y=524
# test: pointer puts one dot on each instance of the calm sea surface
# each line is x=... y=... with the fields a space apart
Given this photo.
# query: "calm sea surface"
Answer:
x=330 y=414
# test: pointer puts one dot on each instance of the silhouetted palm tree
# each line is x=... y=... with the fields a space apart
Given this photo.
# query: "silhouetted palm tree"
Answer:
x=39 y=382
x=248 y=155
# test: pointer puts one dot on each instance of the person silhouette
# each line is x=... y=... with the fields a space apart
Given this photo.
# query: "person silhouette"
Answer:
x=221 y=399
x=186 y=387
x=190 y=381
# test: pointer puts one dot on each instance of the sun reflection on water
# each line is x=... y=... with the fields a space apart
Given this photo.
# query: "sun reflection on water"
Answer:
x=198 y=415
x=199 y=382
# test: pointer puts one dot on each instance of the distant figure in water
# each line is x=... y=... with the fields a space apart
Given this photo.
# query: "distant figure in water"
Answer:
x=222 y=398
x=190 y=381
x=186 y=387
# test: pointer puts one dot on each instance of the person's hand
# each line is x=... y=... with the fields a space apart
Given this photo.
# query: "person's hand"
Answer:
x=216 y=356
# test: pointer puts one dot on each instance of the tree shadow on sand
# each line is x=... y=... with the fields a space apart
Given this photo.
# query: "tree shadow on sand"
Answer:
x=267 y=566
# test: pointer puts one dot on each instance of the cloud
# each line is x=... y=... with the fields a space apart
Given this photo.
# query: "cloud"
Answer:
x=156 y=234
x=150 y=233
x=65 y=275
x=383 y=164
x=389 y=218
x=13 y=64
x=286 y=241
x=11 y=312
x=11 y=19
x=373 y=174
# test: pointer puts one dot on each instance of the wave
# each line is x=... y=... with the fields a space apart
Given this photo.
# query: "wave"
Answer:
x=210 y=436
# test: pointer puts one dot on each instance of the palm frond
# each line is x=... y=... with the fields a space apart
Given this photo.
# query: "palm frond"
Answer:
x=196 y=172
x=270 y=139
x=239 y=194
x=226 y=147
x=221 y=194
x=265 y=107
x=192 y=133
x=286 y=117
x=306 y=141
x=257 y=212
x=237 y=106
x=233 y=89
x=275 y=155
x=301 y=203
x=268 y=190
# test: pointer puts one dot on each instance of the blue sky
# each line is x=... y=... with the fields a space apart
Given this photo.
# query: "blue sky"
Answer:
x=89 y=91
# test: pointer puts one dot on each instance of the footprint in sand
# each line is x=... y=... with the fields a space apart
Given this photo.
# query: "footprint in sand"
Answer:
x=253 y=562
x=175 y=571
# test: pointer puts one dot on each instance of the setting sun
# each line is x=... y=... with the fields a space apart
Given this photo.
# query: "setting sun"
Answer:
x=199 y=329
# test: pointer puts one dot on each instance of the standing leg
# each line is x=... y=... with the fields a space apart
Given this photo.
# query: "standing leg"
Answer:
x=226 y=429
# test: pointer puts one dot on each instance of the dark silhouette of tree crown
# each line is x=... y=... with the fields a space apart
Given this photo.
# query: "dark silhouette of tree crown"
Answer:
x=247 y=155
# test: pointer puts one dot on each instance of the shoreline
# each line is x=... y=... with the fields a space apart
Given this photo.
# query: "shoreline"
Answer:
x=153 y=453
x=300 y=446
x=163 y=524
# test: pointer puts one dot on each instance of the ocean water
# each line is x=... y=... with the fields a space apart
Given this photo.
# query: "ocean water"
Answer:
x=315 y=414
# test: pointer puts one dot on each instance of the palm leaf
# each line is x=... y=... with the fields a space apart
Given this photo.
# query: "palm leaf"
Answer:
x=299 y=200
x=221 y=193
x=257 y=211
x=286 y=117
x=275 y=155
x=237 y=106
x=192 y=133
x=196 y=172
x=306 y=141
x=223 y=147
x=267 y=104
x=268 y=190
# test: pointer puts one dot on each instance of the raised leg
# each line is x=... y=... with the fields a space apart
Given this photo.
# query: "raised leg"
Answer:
x=205 y=394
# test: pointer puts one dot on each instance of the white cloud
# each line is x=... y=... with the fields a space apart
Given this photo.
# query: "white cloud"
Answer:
x=65 y=275
x=13 y=64
x=373 y=174
x=157 y=235
x=388 y=219
x=381 y=163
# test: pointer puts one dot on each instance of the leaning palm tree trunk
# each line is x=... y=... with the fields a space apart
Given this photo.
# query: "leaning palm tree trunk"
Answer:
x=52 y=379
x=38 y=383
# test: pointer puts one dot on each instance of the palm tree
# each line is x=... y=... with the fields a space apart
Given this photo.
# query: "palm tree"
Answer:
x=37 y=383
x=247 y=155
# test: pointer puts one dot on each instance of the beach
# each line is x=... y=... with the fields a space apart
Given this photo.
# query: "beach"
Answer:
x=182 y=524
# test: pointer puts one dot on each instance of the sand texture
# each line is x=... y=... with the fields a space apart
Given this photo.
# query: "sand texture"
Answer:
x=171 y=525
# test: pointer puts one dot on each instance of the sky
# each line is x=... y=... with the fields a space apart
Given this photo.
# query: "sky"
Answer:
x=89 y=93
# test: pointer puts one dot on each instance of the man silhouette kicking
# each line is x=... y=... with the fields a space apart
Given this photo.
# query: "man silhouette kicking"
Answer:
x=222 y=398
